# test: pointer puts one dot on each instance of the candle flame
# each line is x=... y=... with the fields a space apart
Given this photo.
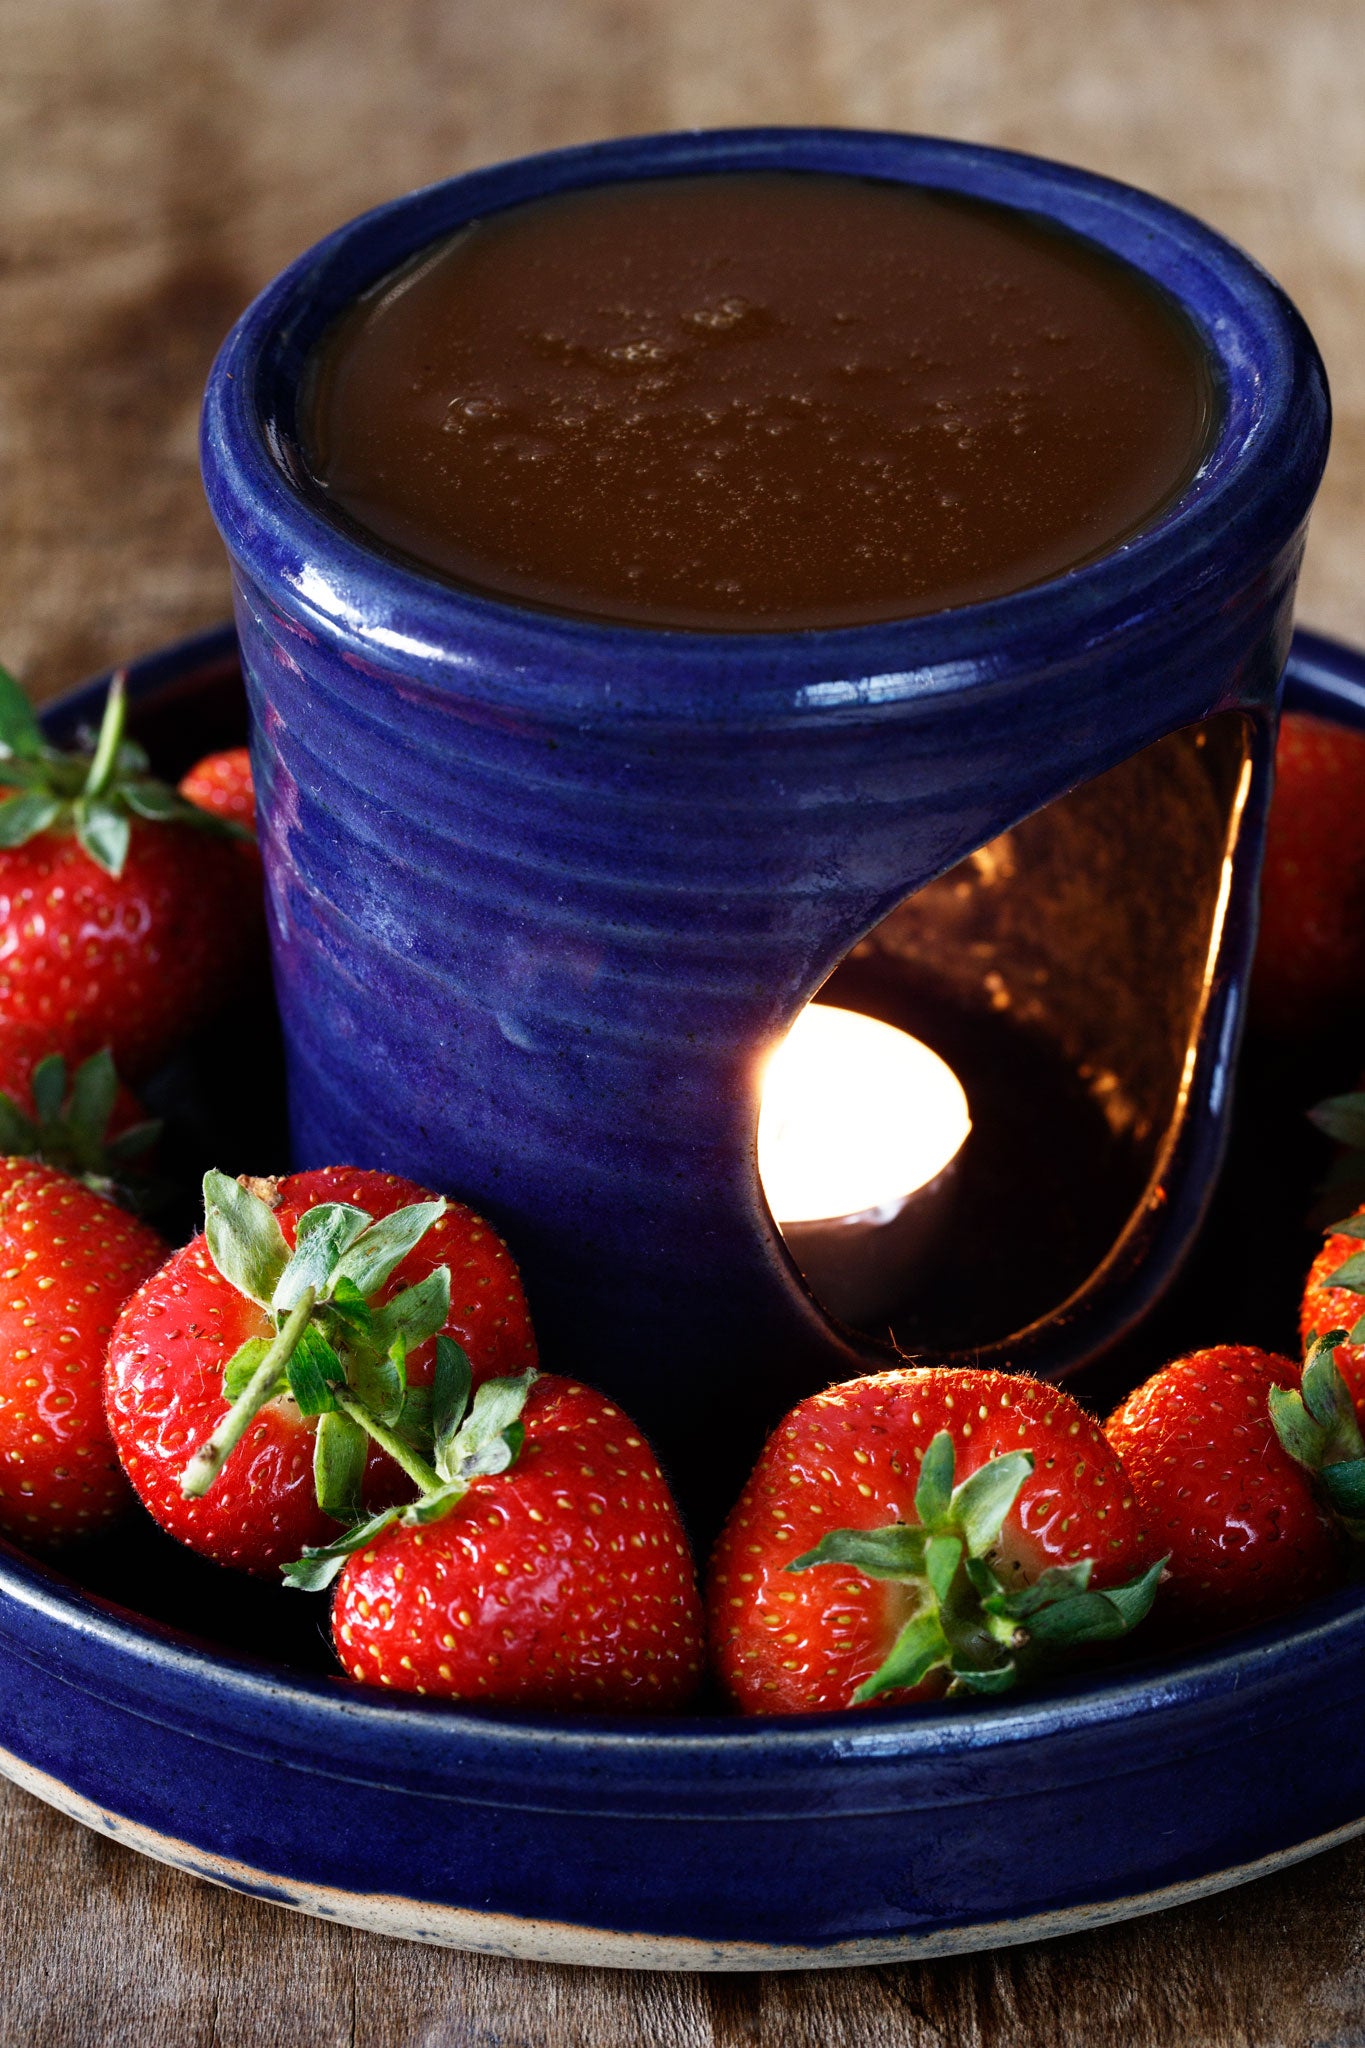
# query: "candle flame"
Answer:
x=856 y=1116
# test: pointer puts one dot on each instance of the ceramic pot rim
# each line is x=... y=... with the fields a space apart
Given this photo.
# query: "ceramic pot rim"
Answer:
x=1242 y=509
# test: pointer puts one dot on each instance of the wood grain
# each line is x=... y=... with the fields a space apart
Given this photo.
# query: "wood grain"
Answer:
x=160 y=161
x=98 y=1945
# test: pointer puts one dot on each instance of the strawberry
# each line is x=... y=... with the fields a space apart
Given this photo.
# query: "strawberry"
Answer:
x=1247 y=1534
x=300 y=1326
x=222 y=783
x=68 y=1261
x=1319 y=1428
x=544 y=1564
x=1332 y=1300
x=126 y=914
x=95 y=1128
x=1310 y=954
x=853 y=1568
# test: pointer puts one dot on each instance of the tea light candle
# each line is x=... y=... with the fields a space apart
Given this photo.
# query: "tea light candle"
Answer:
x=858 y=1133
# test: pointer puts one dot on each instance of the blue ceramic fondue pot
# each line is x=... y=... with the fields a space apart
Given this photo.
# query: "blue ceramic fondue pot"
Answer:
x=187 y=1712
x=544 y=891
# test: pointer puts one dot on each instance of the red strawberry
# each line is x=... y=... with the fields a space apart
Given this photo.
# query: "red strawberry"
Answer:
x=1334 y=1299
x=1310 y=955
x=177 y=1379
x=547 y=1567
x=68 y=1261
x=126 y=915
x=488 y=1315
x=93 y=1129
x=852 y=1568
x=1320 y=1430
x=1246 y=1532
x=222 y=783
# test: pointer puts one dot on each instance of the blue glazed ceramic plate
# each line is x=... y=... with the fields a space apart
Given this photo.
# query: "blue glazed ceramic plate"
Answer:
x=194 y=1718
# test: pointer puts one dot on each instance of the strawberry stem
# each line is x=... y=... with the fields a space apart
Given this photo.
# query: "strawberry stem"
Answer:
x=1320 y=1430
x=423 y=1476
x=106 y=753
x=208 y=1461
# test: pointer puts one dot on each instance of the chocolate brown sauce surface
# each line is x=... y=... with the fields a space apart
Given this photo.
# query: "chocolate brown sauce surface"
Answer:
x=757 y=402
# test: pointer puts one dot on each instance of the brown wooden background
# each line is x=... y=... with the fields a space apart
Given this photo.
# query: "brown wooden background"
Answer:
x=159 y=160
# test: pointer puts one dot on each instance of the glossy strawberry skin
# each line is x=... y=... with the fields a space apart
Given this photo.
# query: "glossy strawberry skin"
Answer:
x=69 y=1259
x=163 y=1396
x=136 y=962
x=222 y=783
x=803 y=1642
x=564 y=1583
x=166 y=1360
x=1246 y=1535
x=1310 y=953
x=1327 y=1308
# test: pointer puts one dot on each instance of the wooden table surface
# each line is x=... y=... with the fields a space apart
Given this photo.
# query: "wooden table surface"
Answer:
x=160 y=160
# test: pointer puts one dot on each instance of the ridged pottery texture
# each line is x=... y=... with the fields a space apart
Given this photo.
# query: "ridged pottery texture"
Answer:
x=544 y=891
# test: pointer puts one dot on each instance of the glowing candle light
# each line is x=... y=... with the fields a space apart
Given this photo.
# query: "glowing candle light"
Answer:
x=858 y=1133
